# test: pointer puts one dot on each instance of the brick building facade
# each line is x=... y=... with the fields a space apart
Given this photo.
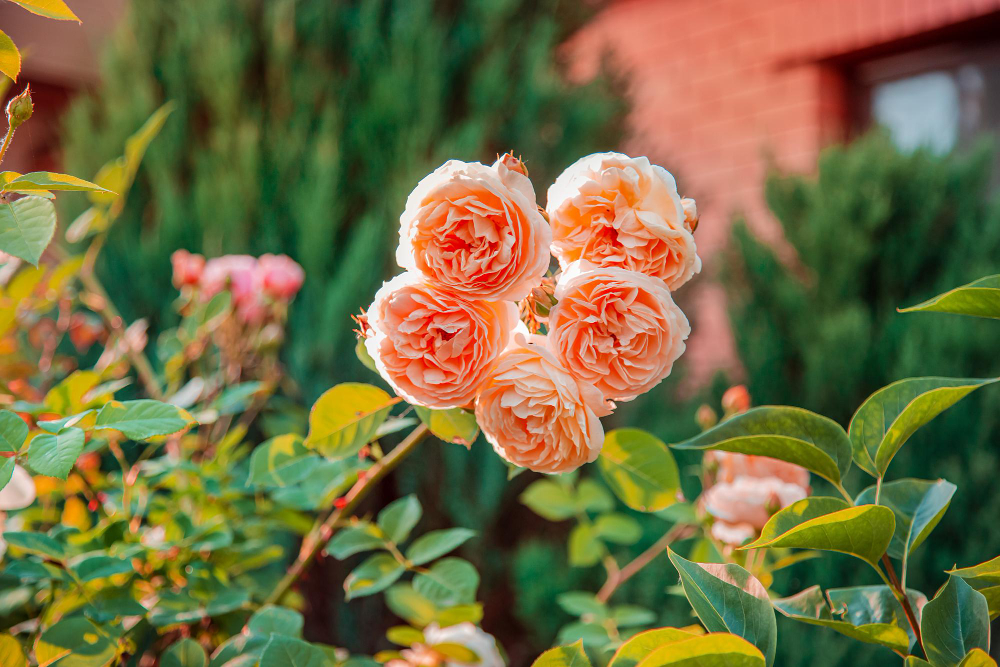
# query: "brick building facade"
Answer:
x=724 y=88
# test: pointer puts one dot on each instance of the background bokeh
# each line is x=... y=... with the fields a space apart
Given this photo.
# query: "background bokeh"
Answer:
x=301 y=125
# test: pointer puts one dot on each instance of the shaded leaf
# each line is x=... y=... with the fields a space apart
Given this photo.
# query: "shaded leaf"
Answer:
x=563 y=656
x=917 y=505
x=281 y=461
x=89 y=567
x=36 y=543
x=980 y=298
x=581 y=603
x=281 y=651
x=13 y=431
x=956 y=621
x=142 y=419
x=399 y=517
x=82 y=638
x=355 y=538
x=449 y=582
x=436 y=544
x=374 y=574
x=639 y=469
x=26 y=227
x=185 y=653
x=279 y=620
x=549 y=500
x=54 y=454
x=584 y=547
x=617 y=528
x=985 y=578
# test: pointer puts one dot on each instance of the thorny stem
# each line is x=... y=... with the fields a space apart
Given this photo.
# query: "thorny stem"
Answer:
x=904 y=600
x=324 y=528
x=619 y=577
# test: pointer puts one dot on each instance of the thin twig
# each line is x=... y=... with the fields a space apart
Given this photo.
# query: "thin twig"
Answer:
x=324 y=528
x=903 y=598
x=678 y=532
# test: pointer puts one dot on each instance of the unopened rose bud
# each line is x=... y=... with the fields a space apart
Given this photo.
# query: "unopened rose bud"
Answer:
x=19 y=108
x=690 y=214
x=187 y=268
x=514 y=164
x=736 y=400
x=706 y=417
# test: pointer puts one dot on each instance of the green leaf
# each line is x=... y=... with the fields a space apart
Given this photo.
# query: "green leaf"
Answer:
x=13 y=431
x=581 y=603
x=618 y=528
x=830 y=524
x=399 y=517
x=374 y=574
x=10 y=57
x=436 y=544
x=584 y=547
x=54 y=454
x=404 y=601
x=75 y=642
x=185 y=653
x=449 y=582
x=404 y=635
x=630 y=615
x=563 y=656
x=887 y=418
x=918 y=506
x=640 y=646
x=47 y=180
x=280 y=620
x=355 y=538
x=870 y=614
x=956 y=621
x=727 y=598
x=977 y=658
x=237 y=398
x=58 y=425
x=980 y=298
x=50 y=9
x=591 y=496
x=142 y=419
x=549 y=500
x=281 y=461
x=985 y=578
x=346 y=417
x=6 y=470
x=283 y=651
x=639 y=469
x=712 y=650
x=136 y=145
x=453 y=425
x=36 y=543
x=790 y=434
x=89 y=567
x=26 y=227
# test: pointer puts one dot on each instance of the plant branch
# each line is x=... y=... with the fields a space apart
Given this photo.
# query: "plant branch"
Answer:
x=619 y=577
x=324 y=528
x=903 y=599
x=6 y=141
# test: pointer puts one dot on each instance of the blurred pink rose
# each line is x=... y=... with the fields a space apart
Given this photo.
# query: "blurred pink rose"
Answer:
x=750 y=500
x=475 y=230
x=538 y=416
x=187 y=268
x=618 y=330
x=736 y=400
x=234 y=272
x=281 y=275
x=733 y=466
x=733 y=533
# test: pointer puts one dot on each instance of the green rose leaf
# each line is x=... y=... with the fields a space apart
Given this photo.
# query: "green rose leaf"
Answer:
x=281 y=461
x=142 y=419
x=581 y=603
x=790 y=434
x=47 y=180
x=985 y=578
x=10 y=57
x=830 y=524
x=50 y=9
x=54 y=454
x=185 y=653
x=584 y=547
x=452 y=425
x=712 y=650
x=870 y=614
x=89 y=567
x=917 y=505
x=281 y=651
x=13 y=431
x=26 y=227
x=980 y=298
x=279 y=620
x=436 y=544
x=355 y=538
x=449 y=582
x=727 y=598
x=617 y=528
x=80 y=637
x=639 y=469
x=956 y=621
x=6 y=470
x=404 y=601
x=887 y=418
x=550 y=500
x=36 y=543
x=374 y=574
x=345 y=418
x=399 y=517
x=563 y=656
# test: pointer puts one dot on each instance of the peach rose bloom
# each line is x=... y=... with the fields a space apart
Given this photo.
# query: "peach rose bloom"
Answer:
x=750 y=500
x=733 y=465
x=475 y=230
x=616 y=329
x=535 y=414
x=614 y=210
x=733 y=533
x=433 y=346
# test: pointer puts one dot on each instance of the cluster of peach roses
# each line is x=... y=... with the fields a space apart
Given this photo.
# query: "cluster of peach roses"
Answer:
x=446 y=333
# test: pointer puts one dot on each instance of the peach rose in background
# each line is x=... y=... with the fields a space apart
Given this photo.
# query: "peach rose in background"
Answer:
x=616 y=329
x=281 y=276
x=733 y=466
x=614 y=210
x=475 y=230
x=536 y=414
x=433 y=346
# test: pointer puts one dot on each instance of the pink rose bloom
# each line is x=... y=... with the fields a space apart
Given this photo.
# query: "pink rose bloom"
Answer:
x=614 y=210
x=433 y=346
x=750 y=500
x=187 y=268
x=616 y=329
x=281 y=276
x=536 y=414
x=237 y=273
x=733 y=465
x=733 y=533
x=475 y=230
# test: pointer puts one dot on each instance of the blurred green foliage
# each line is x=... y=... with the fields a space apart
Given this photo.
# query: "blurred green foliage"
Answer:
x=875 y=230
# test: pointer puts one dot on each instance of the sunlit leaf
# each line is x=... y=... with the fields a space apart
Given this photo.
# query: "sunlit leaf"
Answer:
x=347 y=417
x=67 y=397
x=956 y=621
x=887 y=418
x=185 y=653
x=26 y=227
x=89 y=644
x=918 y=506
x=50 y=9
x=407 y=603
x=563 y=656
x=453 y=425
x=727 y=598
x=830 y=524
x=639 y=647
x=639 y=469
x=549 y=500
x=10 y=57
x=711 y=650
x=48 y=180
x=584 y=547
x=977 y=657
x=798 y=436
x=142 y=419
x=374 y=574
x=980 y=298
x=281 y=461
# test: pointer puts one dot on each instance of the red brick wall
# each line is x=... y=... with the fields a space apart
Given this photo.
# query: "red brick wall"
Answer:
x=721 y=87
